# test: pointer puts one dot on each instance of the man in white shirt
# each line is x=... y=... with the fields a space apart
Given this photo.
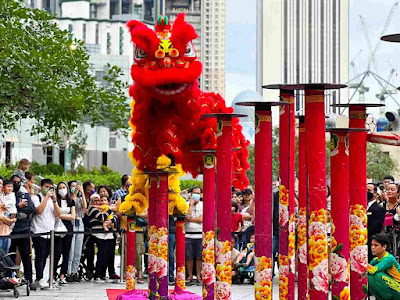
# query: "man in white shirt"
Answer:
x=46 y=209
x=193 y=244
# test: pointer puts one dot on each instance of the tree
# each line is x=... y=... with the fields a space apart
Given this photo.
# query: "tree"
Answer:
x=379 y=164
x=45 y=76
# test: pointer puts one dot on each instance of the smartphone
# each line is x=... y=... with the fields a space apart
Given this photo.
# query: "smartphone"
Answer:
x=78 y=182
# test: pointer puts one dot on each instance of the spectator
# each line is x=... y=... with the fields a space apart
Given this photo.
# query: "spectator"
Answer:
x=77 y=239
x=25 y=210
x=246 y=257
x=125 y=185
x=105 y=191
x=10 y=208
x=97 y=218
x=235 y=253
x=375 y=214
x=388 y=179
x=23 y=166
x=47 y=209
x=392 y=207
x=236 y=220
x=171 y=249
x=63 y=242
x=30 y=184
x=5 y=219
x=194 y=223
x=247 y=217
x=384 y=270
x=89 y=190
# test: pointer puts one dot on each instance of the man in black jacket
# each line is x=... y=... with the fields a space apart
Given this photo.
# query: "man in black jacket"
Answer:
x=25 y=209
x=375 y=214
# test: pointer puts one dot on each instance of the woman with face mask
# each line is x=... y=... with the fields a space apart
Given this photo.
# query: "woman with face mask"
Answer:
x=63 y=225
x=77 y=239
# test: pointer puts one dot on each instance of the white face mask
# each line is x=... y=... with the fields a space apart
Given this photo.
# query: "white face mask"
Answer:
x=62 y=192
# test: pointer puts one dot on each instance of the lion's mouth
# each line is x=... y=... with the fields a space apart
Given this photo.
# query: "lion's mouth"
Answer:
x=171 y=89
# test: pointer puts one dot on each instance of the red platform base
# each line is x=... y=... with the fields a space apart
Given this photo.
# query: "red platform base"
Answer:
x=143 y=295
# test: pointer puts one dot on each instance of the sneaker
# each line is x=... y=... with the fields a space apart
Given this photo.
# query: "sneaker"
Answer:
x=42 y=283
x=115 y=277
x=70 y=278
x=170 y=282
x=62 y=282
x=76 y=278
x=99 y=280
x=33 y=286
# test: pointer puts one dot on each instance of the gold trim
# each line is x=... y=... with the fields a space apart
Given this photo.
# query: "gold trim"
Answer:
x=302 y=129
x=265 y=118
x=226 y=123
x=357 y=115
x=315 y=99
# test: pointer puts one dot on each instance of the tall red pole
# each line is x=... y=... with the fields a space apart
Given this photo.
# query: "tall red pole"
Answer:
x=358 y=203
x=208 y=264
x=339 y=253
x=263 y=205
x=302 y=249
x=162 y=233
x=224 y=182
x=130 y=254
x=286 y=197
x=153 y=238
x=180 y=254
x=316 y=166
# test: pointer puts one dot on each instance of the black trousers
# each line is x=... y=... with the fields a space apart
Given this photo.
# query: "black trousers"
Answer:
x=23 y=246
x=103 y=247
x=88 y=253
x=111 y=258
x=42 y=251
x=62 y=246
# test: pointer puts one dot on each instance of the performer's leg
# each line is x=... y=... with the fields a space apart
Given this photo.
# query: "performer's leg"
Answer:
x=383 y=286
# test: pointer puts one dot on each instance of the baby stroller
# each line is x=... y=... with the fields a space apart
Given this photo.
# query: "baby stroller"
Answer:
x=245 y=272
x=7 y=267
x=84 y=272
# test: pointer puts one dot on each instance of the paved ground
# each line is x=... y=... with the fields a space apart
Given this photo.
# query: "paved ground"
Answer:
x=94 y=291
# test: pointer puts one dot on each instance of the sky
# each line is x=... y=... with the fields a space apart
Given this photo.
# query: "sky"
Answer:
x=241 y=44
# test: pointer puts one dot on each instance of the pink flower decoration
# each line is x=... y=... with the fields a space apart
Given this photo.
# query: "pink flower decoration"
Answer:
x=283 y=271
x=208 y=273
x=283 y=215
x=161 y=267
x=354 y=220
x=152 y=263
x=359 y=259
x=223 y=290
x=338 y=268
x=303 y=253
x=320 y=277
x=317 y=228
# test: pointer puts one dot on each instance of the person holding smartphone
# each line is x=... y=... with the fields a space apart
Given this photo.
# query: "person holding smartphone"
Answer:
x=25 y=209
x=47 y=209
x=77 y=195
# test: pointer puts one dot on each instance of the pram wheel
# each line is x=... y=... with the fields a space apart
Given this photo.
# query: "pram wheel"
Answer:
x=28 y=290
x=16 y=294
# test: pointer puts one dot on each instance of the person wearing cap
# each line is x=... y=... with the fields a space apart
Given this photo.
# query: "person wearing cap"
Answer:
x=247 y=213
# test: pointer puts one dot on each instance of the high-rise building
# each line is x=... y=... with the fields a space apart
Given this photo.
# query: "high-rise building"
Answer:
x=208 y=18
x=306 y=41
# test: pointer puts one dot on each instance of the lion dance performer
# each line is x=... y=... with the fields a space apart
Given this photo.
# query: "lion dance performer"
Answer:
x=166 y=110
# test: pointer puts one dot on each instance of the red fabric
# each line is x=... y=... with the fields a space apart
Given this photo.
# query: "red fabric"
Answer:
x=113 y=294
x=236 y=220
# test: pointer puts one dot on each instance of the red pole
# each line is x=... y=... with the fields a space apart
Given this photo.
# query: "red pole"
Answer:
x=358 y=202
x=316 y=166
x=180 y=254
x=339 y=254
x=302 y=249
x=224 y=181
x=263 y=205
x=286 y=197
x=130 y=254
x=153 y=238
x=208 y=264
x=162 y=233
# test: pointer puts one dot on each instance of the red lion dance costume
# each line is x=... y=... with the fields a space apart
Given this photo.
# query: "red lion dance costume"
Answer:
x=166 y=112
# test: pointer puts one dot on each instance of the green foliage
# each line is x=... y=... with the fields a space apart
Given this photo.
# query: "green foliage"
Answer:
x=55 y=169
x=45 y=76
x=189 y=183
x=379 y=163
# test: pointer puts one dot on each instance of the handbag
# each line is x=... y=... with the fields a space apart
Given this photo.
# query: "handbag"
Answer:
x=59 y=227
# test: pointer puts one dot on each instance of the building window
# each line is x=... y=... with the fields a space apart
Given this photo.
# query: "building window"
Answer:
x=49 y=155
x=32 y=3
x=108 y=43
x=93 y=11
x=9 y=146
x=104 y=159
x=97 y=34
x=61 y=157
x=84 y=33
x=121 y=41
x=70 y=28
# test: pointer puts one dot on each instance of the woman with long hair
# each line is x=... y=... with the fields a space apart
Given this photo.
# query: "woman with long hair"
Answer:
x=63 y=226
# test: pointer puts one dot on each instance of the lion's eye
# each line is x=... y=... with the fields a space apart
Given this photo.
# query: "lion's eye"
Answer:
x=140 y=54
x=190 y=52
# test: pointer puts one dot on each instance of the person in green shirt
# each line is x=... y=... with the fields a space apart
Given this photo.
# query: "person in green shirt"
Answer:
x=383 y=271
